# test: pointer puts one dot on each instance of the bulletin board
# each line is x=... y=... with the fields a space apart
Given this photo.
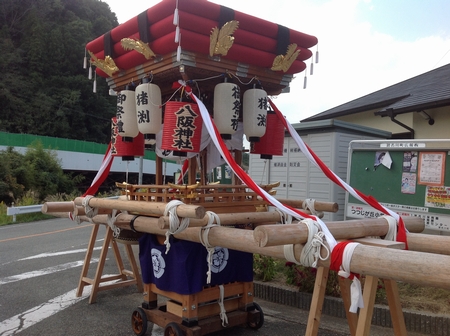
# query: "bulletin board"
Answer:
x=410 y=177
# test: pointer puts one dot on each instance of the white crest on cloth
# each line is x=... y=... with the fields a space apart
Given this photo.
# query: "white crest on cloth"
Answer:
x=158 y=262
x=219 y=259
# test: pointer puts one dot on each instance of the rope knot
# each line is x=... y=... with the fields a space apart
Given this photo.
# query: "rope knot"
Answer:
x=204 y=232
x=175 y=225
x=111 y=220
x=90 y=211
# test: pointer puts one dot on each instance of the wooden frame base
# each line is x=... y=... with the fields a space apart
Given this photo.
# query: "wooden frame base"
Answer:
x=359 y=324
x=124 y=277
x=198 y=314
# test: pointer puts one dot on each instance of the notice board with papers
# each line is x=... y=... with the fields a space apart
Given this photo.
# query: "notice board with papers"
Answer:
x=410 y=177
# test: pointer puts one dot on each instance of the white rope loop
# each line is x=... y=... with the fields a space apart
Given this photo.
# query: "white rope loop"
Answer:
x=310 y=255
x=90 y=211
x=73 y=215
x=111 y=220
x=175 y=225
x=309 y=204
x=203 y=235
x=223 y=312
x=355 y=288
x=284 y=217
x=311 y=251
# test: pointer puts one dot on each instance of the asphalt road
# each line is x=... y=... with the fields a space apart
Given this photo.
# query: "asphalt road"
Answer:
x=40 y=266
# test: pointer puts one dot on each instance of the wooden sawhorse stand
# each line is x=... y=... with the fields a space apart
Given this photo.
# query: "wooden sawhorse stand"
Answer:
x=359 y=324
x=123 y=274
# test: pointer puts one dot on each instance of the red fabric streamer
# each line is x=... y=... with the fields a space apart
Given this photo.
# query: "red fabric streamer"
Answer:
x=184 y=169
x=235 y=167
x=401 y=234
x=336 y=258
x=102 y=174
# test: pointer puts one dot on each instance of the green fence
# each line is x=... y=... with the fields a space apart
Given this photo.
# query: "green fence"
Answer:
x=79 y=146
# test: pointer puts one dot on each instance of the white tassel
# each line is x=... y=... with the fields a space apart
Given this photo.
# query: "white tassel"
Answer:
x=311 y=71
x=304 y=82
x=94 y=88
x=317 y=56
x=179 y=54
x=179 y=49
x=175 y=17
x=177 y=34
x=90 y=72
x=85 y=60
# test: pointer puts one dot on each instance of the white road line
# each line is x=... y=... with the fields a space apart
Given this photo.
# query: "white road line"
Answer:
x=44 y=271
x=22 y=321
x=43 y=255
x=55 y=254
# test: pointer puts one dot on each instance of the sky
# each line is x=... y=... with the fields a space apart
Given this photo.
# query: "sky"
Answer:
x=364 y=45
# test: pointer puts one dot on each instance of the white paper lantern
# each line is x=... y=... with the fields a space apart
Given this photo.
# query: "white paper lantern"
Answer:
x=254 y=114
x=227 y=103
x=127 y=126
x=148 y=109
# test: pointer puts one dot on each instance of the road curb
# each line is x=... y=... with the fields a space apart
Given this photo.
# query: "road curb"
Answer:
x=425 y=323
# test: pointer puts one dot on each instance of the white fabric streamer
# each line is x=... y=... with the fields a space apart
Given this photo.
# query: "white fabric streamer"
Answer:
x=355 y=288
x=209 y=126
x=392 y=231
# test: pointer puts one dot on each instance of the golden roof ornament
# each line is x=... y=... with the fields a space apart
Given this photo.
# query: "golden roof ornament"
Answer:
x=141 y=47
x=107 y=65
x=284 y=62
x=221 y=39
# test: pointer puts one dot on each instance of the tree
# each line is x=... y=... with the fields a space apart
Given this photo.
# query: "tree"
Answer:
x=14 y=175
x=47 y=176
x=43 y=88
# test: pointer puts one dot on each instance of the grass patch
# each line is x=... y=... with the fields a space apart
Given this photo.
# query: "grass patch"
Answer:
x=412 y=297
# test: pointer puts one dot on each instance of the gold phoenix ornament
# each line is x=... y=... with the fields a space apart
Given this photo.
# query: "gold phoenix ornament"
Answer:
x=221 y=39
x=138 y=45
x=107 y=65
x=284 y=62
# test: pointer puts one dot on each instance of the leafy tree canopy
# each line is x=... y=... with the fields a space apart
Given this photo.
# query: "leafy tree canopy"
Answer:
x=37 y=170
x=44 y=89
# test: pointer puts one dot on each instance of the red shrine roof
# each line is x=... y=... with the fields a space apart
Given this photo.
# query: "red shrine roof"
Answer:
x=256 y=42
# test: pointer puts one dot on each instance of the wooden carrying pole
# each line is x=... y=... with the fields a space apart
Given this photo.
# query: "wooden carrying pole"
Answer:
x=297 y=233
x=318 y=205
x=408 y=266
x=142 y=207
x=230 y=219
x=56 y=207
x=429 y=243
x=272 y=235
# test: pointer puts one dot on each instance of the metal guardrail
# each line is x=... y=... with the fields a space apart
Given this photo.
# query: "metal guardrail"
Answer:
x=13 y=211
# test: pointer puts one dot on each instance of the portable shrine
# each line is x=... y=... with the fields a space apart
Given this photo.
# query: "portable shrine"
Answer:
x=192 y=41
x=199 y=237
